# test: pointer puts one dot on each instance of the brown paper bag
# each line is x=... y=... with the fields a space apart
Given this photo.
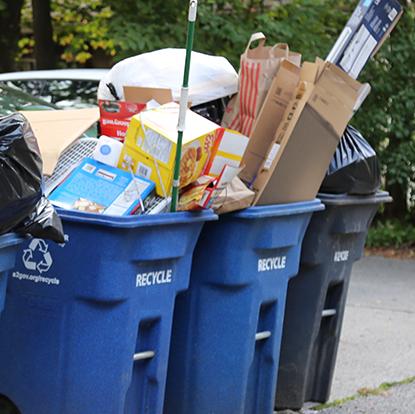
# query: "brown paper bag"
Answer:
x=257 y=70
x=235 y=196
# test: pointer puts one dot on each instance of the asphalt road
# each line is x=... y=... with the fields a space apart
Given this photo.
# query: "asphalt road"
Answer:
x=378 y=339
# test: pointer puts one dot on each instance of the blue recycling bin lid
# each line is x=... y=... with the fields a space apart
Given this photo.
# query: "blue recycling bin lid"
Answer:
x=278 y=210
x=136 y=221
x=10 y=239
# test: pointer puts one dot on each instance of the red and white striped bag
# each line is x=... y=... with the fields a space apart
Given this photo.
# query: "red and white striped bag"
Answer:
x=258 y=68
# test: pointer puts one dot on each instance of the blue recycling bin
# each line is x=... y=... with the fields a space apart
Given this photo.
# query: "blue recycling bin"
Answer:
x=9 y=244
x=316 y=298
x=89 y=322
x=227 y=326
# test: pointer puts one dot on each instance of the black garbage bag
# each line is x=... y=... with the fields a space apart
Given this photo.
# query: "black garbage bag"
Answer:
x=213 y=110
x=23 y=207
x=43 y=222
x=354 y=168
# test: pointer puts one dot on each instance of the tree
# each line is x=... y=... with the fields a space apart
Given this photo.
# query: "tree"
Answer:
x=81 y=30
x=45 y=48
x=10 y=11
x=388 y=116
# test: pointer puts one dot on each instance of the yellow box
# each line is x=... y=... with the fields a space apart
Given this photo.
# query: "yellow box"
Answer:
x=150 y=146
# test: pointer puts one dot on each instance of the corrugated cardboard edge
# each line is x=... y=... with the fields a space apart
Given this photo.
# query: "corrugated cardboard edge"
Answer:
x=138 y=94
x=285 y=129
x=332 y=84
x=254 y=156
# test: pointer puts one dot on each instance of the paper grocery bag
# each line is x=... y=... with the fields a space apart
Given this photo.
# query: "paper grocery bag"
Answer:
x=257 y=70
x=235 y=196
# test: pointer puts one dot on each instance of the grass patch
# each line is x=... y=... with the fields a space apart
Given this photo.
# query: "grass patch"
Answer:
x=335 y=403
x=388 y=385
x=365 y=392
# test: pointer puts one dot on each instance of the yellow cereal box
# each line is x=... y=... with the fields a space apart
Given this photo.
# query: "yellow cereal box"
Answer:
x=150 y=146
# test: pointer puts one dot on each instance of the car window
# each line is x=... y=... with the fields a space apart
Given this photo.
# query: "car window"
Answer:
x=63 y=93
x=12 y=100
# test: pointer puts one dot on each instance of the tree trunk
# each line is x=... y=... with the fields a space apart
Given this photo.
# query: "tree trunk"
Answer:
x=398 y=209
x=45 y=48
x=9 y=33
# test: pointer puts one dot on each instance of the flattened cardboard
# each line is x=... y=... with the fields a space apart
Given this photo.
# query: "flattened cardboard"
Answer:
x=308 y=171
x=139 y=94
x=56 y=130
x=269 y=118
x=308 y=137
x=309 y=72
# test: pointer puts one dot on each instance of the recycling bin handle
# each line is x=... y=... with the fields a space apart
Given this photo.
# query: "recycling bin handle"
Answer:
x=140 y=356
x=261 y=336
x=328 y=312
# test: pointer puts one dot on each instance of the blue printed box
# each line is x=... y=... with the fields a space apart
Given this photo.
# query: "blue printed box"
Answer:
x=95 y=187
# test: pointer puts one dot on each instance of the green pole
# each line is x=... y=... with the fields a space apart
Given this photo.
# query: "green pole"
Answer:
x=184 y=99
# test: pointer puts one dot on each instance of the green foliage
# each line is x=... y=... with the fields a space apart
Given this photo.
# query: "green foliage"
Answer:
x=81 y=28
x=388 y=116
x=392 y=233
x=224 y=27
x=140 y=26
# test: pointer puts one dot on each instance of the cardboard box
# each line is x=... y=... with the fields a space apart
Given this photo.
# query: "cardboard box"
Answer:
x=271 y=114
x=231 y=149
x=143 y=95
x=115 y=116
x=95 y=187
x=56 y=130
x=150 y=146
x=365 y=32
x=307 y=138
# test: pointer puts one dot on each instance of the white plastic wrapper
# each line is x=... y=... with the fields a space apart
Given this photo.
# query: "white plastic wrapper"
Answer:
x=211 y=77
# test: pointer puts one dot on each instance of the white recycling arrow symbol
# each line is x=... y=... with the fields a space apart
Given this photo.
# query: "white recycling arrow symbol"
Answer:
x=28 y=256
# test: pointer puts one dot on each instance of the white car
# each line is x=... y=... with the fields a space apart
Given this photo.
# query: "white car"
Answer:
x=65 y=88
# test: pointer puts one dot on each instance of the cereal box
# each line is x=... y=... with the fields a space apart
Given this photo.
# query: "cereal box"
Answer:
x=98 y=188
x=150 y=146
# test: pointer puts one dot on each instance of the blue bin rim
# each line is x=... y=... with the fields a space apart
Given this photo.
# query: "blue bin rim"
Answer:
x=136 y=221
x=349 y=200
x=278 y=210
x=10 y=239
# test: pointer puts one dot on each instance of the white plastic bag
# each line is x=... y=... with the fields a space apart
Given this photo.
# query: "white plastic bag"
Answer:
x=211 y=77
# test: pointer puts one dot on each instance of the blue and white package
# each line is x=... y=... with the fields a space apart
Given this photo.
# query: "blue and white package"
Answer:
x=94 y=187
x=370 y=25
x=349 y=31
